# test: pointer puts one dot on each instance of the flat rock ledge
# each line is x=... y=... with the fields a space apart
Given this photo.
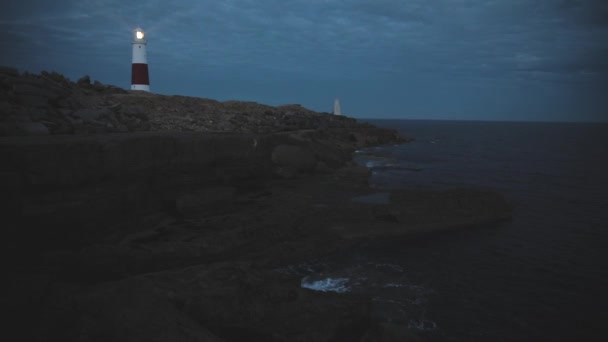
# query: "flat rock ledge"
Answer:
x=175 y=236
x=162 y=233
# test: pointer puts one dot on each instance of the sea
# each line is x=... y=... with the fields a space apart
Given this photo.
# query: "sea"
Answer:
x=542 y=276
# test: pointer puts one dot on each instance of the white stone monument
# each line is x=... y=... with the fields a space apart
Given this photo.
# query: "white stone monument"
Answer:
x=337 y=107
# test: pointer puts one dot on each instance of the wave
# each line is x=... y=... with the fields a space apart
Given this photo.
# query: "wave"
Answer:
x=421 y=325
x=327 y=284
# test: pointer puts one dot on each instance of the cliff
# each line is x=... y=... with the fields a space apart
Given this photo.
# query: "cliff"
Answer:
x=49 y=103
x=133 y=216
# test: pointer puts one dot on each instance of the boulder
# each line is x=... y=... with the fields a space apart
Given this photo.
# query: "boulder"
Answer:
x=5 y=89
x=33 y=128
x=92 y=114
x=37 y=114
x=98 y=86
x=8 y=129
x=416 y=212
x=84 y=81
x=9 y=71
x=56 y=78
x=126 y=311
x=205 y=199
x=388 y=332
x=30 y=80
x=110 y=89
x=135 y=111
x=294 y=157
x=21 y=114
x=232 y=301
x=6 y=109
x=36 y=101
x=28 y=89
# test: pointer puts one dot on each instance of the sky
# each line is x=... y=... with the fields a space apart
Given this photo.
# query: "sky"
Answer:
x=531 y=60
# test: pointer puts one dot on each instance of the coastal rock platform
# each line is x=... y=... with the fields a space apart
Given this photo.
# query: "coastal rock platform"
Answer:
x=173 y=228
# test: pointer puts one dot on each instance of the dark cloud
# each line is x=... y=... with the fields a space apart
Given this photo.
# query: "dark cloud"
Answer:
x=587 y=12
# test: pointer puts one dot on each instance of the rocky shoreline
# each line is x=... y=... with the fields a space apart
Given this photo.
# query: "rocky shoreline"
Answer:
x=133 y=216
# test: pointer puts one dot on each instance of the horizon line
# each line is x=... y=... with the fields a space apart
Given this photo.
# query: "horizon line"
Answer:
x=488 y=120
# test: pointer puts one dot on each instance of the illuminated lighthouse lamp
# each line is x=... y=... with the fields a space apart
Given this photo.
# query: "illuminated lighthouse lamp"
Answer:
x=139 y=69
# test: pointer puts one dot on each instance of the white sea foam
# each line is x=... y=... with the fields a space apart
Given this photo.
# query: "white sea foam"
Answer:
x=372 y=164
x=393 y=285
x=326 y=285
x=423 y=325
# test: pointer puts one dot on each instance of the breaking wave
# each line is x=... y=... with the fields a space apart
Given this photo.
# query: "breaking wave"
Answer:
x=326 y=285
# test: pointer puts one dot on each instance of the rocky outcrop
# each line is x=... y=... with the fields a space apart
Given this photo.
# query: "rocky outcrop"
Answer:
x=207 y=214
x=214 y=302
x=292 y=159
x=49 y=103
x=135 y=216
x=415 y=212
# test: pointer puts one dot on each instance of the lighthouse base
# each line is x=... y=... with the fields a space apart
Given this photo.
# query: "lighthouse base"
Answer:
x=143 y=87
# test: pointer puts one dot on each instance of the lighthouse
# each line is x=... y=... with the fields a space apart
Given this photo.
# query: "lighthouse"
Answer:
x=139 y=68
x=337 y=107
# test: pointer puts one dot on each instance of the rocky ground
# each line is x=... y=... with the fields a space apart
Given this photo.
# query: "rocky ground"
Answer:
x=49 y=103
x=131 y=216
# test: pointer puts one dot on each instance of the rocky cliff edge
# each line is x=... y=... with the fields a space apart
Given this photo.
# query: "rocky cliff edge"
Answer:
x=130 y=216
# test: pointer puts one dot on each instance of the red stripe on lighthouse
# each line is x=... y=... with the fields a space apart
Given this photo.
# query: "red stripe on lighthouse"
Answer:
x=139 y=74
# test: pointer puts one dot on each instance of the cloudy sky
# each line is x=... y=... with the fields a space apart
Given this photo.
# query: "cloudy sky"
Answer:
x=422 y=59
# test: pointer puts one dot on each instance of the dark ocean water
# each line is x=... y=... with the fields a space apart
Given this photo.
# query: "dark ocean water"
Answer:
x=541 y=276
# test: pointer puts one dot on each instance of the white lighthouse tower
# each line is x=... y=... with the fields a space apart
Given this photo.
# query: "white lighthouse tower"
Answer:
x=337 y=107
x=139 y=69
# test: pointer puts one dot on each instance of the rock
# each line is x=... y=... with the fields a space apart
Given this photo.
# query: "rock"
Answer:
x=121 y=128
x=8 y=129
x=323 y=168
x=33 y=100
x=98 y=86
x=332 y=157
x=30 y=80
x=34 y=128
x=110 y=89
x=143 y=111
x=93 y=114
x=127 y=311
x=135 y=111
x=84 y=81
x=128 y=215
x=229 y=300
x=38 y=114
x=205 y=199
x=387 y=332
x=62 y=128
x=6 y=86
x=56 y=78
x=416 y=212
x=28 y=89
x=6 y=109
x=9 y=71
x=70 y=103
x=132 y=213
x=296 y=158
x=22 y=114
x=354 y=174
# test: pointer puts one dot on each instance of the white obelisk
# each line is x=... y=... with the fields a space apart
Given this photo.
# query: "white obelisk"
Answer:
x=337 y=107
x=139 y=69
